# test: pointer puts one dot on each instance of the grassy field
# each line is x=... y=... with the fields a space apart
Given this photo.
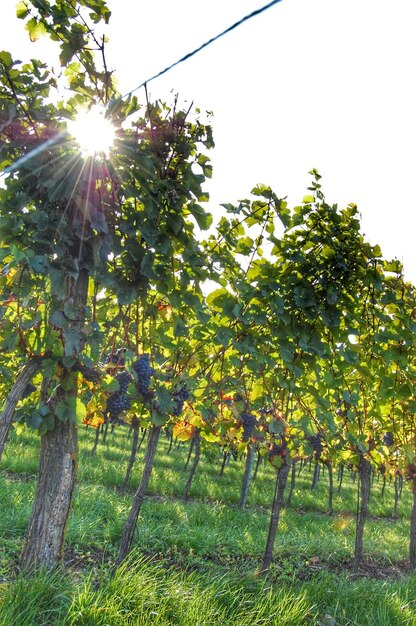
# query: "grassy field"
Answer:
x=196 y=561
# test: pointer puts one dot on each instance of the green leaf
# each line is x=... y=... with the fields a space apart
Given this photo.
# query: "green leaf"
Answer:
x=158 y=419
x=40 y=264
x=48 y=424
x=180 y=329
x=331 y=295
x=35 y=29
x=219 y=298
x=287 y=354
x=22 y=10
x=68 y=50
x=223 y=336
x=146 y=266
x=34 y=420
x=203 y=219
x=109 y=384
x=66 y=410
x=304 y=297
x=73 y=343
x=276 y=427
x=80 y=411
x=57 y=319
x=42 y=5
x=6 y=59
x=71 y=311
x=68 y=361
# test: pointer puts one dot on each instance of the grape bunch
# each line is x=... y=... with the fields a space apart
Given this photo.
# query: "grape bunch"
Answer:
x=388 y=439
x=144 y=373
x=116 y=404
x=179 y=398
x=249 y=422
x=124 y=379
x=316 y=441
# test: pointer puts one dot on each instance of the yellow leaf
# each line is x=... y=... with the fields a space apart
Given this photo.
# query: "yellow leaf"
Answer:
x=183 y=431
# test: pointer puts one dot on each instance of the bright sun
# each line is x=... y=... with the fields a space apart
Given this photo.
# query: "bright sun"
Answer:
x=92 y=131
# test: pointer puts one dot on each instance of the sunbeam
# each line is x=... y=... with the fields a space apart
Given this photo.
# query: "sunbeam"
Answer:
x=92 y=131
x=33 y=153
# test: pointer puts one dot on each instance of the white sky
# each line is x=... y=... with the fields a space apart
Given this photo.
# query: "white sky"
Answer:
x=308 y=83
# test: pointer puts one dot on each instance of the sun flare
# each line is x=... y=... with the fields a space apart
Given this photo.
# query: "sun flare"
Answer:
x=93 y=132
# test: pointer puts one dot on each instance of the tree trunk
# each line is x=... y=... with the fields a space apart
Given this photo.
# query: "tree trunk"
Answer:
x=130 y=525
x=340 y=477
x=383 y=487
x=59 y=451
x=412 y=543
x=96 y=440
x=364 y=470
x=191 y=447
x=135 y=426
x=170 y=442
x=55 y=488
x=331 y=487
x=396 y=496
x=197 y=456
x=224 y=461
x=14 y=395
x=142 y=439
x=105 y=433
x=316 y=473
x=256 y=469
x=292 y=484
x=246 y=476
x=281 y=481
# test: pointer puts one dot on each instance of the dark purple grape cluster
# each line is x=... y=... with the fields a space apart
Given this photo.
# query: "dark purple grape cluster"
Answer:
x=144 y=373
x=117 y=403
x=179 y=398
x=124 y=379
x=388 y=439
x=249 y=422
x=316 y=441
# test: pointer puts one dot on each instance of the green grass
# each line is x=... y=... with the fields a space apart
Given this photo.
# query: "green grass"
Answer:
x=146 y=592
x=202 y=555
